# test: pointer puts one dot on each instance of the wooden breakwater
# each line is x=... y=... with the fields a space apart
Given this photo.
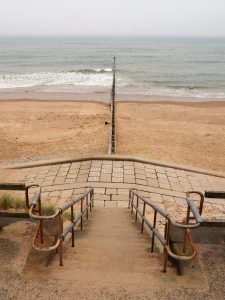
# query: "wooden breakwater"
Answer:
x=112 y=142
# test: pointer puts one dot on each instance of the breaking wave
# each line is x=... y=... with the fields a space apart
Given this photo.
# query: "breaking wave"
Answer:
x=85 y=77
x=91 y=71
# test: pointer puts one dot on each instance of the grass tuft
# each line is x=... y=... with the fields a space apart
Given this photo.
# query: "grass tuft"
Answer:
x=48 y=210
x=19 y=203
x=6 y=201
x=66 y=216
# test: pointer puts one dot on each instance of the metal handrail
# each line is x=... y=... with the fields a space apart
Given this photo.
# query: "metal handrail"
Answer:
x=61 y=233
x=165 y=240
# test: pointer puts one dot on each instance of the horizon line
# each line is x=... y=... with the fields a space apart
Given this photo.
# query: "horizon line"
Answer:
x=112 y=35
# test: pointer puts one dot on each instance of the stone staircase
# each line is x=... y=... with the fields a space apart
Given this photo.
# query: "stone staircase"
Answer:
x=110 y=250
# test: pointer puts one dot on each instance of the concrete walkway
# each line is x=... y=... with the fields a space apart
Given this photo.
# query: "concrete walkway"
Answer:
x=165 y=186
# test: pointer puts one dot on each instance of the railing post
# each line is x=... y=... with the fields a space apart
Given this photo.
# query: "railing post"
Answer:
x=90 y=204
x=87 y=206
x=72 y=232
x=81 y=210
x=153 y=234
x=92 y=197
x=132 y=201
x=27 y=197
x=60 y=230
x=165 y=232
x=186 y=222
x=143 y=214
x=41 y=221
x=129 y=198
x=136 y=209
x=167 y=245
x=201 y=203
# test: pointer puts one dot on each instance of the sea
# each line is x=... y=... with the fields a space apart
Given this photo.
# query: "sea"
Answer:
x=146 y=67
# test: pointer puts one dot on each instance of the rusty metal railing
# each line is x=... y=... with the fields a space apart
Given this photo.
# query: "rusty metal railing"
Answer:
x=134 y=203
x=86 y=201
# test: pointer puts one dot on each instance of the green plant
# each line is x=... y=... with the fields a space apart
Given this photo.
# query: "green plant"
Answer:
x=9 y=201
x=6 y=201
x=48 y=210
x=66 y=216
x=19 y=203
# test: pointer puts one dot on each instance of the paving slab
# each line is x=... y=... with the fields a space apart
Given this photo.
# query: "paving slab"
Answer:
x=113 y=178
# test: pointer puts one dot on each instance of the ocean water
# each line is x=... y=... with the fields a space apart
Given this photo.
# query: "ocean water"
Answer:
x=148 y=66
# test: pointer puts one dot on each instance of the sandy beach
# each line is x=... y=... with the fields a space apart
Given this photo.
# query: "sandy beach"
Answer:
x=183 y=133
x=39 y=129
x=186 y=133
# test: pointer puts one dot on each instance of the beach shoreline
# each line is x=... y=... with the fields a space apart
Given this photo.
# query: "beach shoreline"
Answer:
x=100 y=96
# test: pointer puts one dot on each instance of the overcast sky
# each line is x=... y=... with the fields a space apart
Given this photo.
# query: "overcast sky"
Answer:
x=113 y=17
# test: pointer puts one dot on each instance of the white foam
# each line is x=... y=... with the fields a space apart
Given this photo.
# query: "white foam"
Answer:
x=54 y=78
x=170 y=92
x=183 y=92
x=102 y=78
x=103 y=70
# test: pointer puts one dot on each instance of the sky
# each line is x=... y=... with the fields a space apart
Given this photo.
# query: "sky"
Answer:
x=113 y=17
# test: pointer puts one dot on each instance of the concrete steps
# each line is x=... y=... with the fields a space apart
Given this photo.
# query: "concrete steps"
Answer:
x=110 y=250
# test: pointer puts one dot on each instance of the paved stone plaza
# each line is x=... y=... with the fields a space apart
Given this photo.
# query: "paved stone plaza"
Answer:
x=112 y=180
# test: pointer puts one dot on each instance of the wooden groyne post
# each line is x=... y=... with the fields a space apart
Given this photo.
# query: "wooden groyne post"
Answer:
x=112 y=146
